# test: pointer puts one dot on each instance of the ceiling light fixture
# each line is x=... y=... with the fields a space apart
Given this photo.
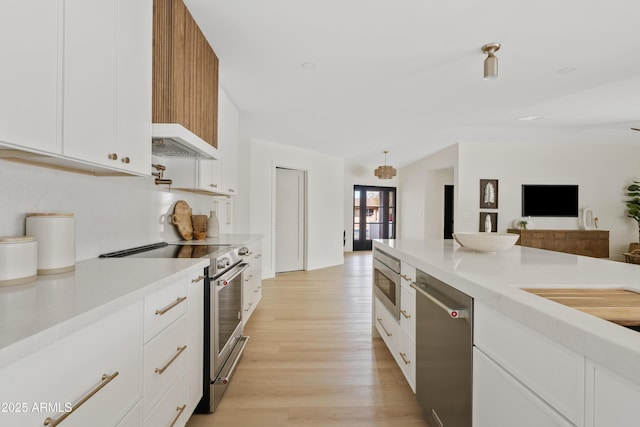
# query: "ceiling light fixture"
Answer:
x=385 y=172
x=491 y=63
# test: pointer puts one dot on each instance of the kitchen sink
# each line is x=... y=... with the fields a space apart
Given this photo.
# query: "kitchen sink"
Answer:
x=617 y=305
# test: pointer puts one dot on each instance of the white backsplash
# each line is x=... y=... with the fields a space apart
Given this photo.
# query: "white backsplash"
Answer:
x=111 y=213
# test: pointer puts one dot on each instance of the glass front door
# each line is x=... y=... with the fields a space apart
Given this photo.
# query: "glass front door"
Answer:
x=374 y=213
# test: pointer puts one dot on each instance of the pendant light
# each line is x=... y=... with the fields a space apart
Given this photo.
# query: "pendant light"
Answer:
x=385 y=172
x=491 y=62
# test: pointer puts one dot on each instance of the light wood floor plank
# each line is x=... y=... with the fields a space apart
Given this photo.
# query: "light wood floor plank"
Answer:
x=311 y=360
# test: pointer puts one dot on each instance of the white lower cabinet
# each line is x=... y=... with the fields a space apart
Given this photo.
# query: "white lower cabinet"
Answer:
x=101 y=362
x=139 y=365
x=172 y=409
x=500 y=400
x=195 y=340
x=547 y=368
x=611 y=399
x=252 y=285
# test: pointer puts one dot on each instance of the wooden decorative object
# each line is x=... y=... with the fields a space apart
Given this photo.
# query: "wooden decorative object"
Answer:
x=199 y=223
x=181 y=218
x=488 y=194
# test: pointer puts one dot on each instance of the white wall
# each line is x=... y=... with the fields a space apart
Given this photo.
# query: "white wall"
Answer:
x=111 y=213
x=325 y=188
x=359 y=174
x=421 y=194
x=601 y=171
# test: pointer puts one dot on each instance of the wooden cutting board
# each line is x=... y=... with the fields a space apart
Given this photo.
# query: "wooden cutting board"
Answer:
x=615 y=305
x=181 y=218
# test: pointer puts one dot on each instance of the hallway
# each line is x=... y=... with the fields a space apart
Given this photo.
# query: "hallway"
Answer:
x=311 y=360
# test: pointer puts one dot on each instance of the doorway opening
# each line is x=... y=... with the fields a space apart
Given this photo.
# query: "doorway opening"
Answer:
x=448 y=212
x=374 y=215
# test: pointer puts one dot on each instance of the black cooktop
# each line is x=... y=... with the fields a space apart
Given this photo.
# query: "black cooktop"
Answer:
x=165 y=250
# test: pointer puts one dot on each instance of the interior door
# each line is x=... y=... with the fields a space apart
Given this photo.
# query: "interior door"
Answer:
x=290 y=219
x=374 y=213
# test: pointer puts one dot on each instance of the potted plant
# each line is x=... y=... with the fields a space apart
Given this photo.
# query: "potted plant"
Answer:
x=633 y=208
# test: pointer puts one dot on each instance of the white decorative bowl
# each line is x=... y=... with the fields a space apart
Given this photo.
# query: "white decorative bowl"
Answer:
x=486 y=242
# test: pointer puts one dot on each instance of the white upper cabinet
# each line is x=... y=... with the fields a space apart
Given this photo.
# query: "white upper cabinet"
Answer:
x=228 y=140
x=31 y=31
x=107 y=83
x=76 y=83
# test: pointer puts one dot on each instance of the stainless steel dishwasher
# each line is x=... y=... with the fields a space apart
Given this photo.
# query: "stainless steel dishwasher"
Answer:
x=444 y=343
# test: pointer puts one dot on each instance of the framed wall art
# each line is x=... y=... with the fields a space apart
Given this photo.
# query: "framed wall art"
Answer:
x=488 y=194
x=492 y=221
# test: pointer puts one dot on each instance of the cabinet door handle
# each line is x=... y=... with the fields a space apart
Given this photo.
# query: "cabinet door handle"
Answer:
x=213 y=185
x=175 y=356
x=180 y=410
x=126 y=160
x=385 y=329
x=404 y=313
x=404 y=359
x=170 y=306
x=197 y=279
x=405 y=277
x=113 y=156
x=105 y=379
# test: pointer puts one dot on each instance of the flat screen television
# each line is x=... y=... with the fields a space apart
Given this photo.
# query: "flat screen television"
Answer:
x=550 y=200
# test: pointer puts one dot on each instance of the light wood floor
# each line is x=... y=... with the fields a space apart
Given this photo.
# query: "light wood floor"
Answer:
x=311 y=360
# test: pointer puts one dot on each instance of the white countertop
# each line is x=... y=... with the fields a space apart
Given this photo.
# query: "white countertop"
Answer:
x=495 y=278
x=37 y=314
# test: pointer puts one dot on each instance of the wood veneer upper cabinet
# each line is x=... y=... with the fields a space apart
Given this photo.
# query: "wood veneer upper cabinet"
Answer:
x=185 y=72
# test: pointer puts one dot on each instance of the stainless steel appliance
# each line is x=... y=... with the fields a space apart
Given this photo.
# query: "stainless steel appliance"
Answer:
x=444 y=343
x=223 y=339
x=386 y=280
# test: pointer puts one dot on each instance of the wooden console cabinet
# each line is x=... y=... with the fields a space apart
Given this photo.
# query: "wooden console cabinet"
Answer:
x=593 y=243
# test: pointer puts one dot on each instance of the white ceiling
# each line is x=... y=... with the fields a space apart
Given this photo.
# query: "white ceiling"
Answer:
x=407 y=75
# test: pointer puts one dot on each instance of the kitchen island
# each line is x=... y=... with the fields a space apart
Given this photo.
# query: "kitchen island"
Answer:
x=581 y=369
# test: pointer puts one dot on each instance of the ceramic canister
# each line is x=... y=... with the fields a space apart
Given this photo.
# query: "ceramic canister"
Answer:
x=56 y=236
x=18 y=260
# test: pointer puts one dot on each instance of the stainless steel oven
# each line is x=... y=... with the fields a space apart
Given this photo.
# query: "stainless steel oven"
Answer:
x=386 y=280
x=225 y=332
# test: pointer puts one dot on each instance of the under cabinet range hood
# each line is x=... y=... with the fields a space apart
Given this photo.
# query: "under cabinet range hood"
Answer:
x=174 y=140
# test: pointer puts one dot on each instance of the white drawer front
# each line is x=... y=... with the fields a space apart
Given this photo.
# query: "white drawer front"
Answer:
x=165 y=359
x=171 y=408
x=408 y=312
x=133 y=418
x=407 y=359
x=407 y=276
x=72 y=368
x=163 y=307
x=552 y=371
x=387 y=327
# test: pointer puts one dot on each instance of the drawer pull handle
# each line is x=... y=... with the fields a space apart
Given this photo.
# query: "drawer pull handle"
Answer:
x=197 y=279
x=404 y=313
x=404 y=359
x=405 y=277
x=106 y=379
x=170 y=306
x=175 y=356
x=180 y=410
x=385 y=329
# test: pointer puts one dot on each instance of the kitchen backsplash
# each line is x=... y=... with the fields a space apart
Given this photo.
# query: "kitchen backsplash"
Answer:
x=111 y=213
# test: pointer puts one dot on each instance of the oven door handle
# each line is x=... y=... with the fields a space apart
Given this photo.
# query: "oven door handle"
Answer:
x=231 y=274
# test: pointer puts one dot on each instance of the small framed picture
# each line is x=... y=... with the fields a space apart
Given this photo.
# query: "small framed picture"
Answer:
x=492 y=221
x=488 y=194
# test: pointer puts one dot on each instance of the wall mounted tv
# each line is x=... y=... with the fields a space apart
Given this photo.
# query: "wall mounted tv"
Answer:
x=550 y=200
